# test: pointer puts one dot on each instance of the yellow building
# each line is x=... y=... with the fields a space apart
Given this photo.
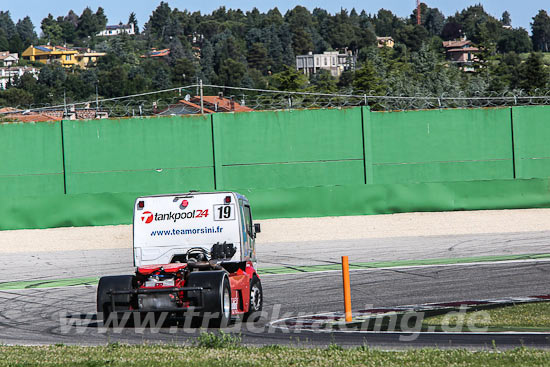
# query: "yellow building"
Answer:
x=84 y=58
x=66 y=57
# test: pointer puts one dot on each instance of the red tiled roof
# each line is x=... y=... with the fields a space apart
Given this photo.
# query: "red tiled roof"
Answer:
x=465 y=49
x=31 y=117
x=454 y=44
x=223 y=104
x=198 y=107
x=157 y=53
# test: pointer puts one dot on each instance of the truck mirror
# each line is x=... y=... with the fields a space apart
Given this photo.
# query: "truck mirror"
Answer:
x=257 y=228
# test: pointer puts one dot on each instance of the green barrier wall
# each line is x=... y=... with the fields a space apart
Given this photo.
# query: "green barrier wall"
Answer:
x=116 y=208
x=31 y=159
x=169 y=154
x=289 y=148
x=532 y=141
x=438 y=146
x=289 y=163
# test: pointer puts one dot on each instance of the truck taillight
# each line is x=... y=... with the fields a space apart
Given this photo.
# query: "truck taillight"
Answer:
x=141 y=204
x=227 y=199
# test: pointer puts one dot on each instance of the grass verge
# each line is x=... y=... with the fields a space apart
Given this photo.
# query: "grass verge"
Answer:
x=172 y=355
x=529 y=316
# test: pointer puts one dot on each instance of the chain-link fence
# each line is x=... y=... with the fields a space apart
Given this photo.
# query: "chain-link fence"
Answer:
x=191 y=97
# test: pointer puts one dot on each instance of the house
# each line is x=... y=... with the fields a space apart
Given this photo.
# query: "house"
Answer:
x=184 y=108
x=115 y=30
x=10 y=73
x=332 y=61
x=73 y=113
x=13 y=115
x=462 y=53
x=211 y=104
x=385 y=42
x=86 y=56
x=65 y=56
x=157 y=53
x=8 y=59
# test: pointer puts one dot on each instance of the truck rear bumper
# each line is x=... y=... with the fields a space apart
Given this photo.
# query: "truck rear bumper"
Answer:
x=158 y=300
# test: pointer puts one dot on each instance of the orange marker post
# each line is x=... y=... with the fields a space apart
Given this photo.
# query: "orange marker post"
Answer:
x=347 y=288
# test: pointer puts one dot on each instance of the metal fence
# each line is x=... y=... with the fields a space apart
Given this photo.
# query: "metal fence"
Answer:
x=155 y=103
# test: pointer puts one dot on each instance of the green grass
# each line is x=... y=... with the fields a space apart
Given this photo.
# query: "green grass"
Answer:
x=172 y=355
x=522 y=316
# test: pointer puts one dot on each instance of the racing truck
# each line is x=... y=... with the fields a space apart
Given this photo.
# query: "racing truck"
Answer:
x=192 y=252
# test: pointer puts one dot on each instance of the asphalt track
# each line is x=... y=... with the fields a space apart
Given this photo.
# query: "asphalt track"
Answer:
x=66 y=314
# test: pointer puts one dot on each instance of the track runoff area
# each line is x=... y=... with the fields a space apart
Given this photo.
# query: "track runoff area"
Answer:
x=404 y=262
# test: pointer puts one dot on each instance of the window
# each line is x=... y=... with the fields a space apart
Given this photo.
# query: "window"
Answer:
x=67 y=57
x=325 y=61
x=248 y=220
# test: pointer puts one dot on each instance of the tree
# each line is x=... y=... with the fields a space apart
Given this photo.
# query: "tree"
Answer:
x=231 y=73
x=4 y=43
x=158 y=20
x=184 y=72
x=6 y=24
x=532 y=73
x=25 y=30
x=541 y=31
x=366 y=80
x=133 y=20
x=257 y=57
x=324 y=82
x=516 y=40
x=300 y=23
x=15 y=97
x=87 y=24
x=506 y=19
x=452 y=30
x=161 y=79
x=289 y=79
x=435 y=22
x=100 y=20
x=386 y=23
x=51 y=30
x=412 y=36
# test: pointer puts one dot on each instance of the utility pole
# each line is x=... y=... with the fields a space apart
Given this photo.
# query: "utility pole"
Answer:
x=96 y=96
x=202 y=102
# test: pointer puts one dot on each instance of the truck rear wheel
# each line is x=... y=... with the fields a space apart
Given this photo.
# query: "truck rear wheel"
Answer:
x=122 y=302
x=217 y=295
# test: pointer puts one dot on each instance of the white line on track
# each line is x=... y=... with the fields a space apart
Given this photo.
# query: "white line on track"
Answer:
x=414 y=267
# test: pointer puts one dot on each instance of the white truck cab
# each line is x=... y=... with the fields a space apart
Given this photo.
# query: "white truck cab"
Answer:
x=166 y=227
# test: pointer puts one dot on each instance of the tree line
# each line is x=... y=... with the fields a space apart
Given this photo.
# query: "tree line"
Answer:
x=257 y=50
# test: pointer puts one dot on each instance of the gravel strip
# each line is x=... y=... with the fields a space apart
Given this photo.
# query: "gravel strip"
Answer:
x=299 y=230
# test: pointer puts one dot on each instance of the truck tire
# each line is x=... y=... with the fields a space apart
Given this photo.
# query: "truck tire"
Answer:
x=123 y=302
x=256 y=300
x=217 y=295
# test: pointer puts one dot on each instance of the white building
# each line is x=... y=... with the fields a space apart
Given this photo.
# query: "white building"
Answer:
x=7 y=59
x=8 y=74
x=332 y=61
x=115 y=30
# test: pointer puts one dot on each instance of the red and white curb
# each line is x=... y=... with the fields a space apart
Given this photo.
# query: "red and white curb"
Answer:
x=331 y=320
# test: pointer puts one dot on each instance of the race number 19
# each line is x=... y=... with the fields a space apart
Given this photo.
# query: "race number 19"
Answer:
x=224 y=212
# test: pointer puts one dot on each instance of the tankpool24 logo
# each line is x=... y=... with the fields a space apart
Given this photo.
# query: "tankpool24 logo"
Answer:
x=147 y=217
